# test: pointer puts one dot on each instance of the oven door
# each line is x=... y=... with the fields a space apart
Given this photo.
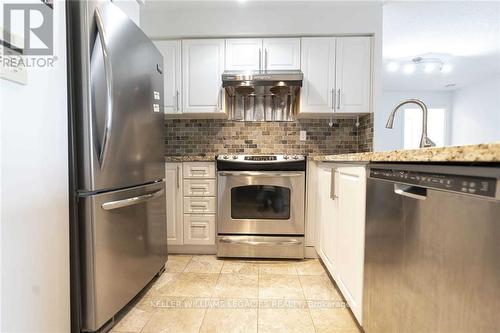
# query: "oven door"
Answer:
x=261 y=203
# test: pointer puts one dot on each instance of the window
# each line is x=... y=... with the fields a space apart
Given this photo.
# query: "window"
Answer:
x=436 y=127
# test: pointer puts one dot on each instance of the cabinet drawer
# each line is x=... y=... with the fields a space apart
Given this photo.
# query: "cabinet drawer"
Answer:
x=199 y=170
x=199 y=205
x=199 y=187
x=199 y=229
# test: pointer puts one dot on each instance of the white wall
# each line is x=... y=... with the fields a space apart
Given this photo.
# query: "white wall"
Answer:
x=389 y=139
x=476 y=112
x=34 y=197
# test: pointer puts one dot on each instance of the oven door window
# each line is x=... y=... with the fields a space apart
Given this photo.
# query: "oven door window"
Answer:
x=260 y=202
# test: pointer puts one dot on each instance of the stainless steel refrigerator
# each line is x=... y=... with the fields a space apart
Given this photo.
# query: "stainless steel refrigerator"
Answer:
x=116 y=132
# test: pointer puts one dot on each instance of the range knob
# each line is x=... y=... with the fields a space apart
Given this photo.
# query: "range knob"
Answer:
x=225 y=157
x=285 y=157
x=235 y=157
x=295 y=157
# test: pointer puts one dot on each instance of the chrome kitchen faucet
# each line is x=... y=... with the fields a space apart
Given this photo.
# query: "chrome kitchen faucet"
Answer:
x=424 y=140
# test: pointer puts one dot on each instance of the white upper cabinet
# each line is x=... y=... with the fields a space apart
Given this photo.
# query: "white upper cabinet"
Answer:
x=171 y=51
x=337 y=75
x=202 y=67
x=318 y=66
x=353 y=74
x=262 y=54
x=281 y=53
x=243 y=54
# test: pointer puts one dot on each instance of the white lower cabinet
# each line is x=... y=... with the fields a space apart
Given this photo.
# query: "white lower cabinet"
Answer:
x=199 y=229
x=199 y=205
x=340 y=217
x=173 y=180
x=191 y=203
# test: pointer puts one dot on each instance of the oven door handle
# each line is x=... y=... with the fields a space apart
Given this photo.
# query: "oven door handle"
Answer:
x=262 y=174
x=228 y=240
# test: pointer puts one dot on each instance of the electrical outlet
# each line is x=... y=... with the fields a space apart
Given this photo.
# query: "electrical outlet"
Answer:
x=303 y=135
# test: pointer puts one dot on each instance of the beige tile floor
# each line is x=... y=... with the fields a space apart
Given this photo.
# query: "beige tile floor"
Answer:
x=204 y=294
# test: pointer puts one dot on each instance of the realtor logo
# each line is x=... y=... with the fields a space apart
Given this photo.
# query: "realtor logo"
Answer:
x=36 y=19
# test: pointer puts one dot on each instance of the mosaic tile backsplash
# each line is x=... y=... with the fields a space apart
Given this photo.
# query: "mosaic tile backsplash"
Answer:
x=208 y=137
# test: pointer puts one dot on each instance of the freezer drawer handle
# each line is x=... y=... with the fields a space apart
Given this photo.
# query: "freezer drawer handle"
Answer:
x=243 y=242
x=109 y=86
x=413 y=192
x=131 y=201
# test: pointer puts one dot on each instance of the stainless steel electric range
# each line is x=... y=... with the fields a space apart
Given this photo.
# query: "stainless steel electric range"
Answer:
x=260 y=210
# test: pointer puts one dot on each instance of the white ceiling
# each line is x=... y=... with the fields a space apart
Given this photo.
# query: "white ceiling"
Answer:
x=465 y=34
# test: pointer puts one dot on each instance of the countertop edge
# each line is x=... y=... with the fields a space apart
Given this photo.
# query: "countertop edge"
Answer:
x=487 y=152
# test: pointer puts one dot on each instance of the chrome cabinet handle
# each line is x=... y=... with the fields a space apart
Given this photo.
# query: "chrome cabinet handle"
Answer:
x=221 y=99
x=131 y=201
x=338 y=101
x=333 y=99
x=177 y=100
x=333 y=195
x=265 y=59
x=177 y=177
x=228 y=240
x=108 y=74
x=260 y=58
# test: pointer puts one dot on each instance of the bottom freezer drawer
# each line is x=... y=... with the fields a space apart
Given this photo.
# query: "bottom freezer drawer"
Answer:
x=124 y=239
x=260 y=246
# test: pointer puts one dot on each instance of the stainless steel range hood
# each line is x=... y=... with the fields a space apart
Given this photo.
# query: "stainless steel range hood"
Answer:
x=262 y=96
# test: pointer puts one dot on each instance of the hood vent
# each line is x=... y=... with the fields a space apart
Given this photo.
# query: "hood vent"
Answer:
x=262 y=96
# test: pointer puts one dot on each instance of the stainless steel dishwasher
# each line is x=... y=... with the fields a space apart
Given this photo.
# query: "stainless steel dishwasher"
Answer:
x=432 y=249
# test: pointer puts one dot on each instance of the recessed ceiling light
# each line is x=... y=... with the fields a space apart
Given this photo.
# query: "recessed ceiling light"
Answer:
x=409 y=68
x=447 y=68
x=392 y=66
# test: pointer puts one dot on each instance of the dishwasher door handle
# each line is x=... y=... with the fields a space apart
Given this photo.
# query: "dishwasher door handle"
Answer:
x=414 y=192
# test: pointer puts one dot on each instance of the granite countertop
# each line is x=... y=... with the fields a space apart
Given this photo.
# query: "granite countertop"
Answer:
x=190 y=158
x=489 y=152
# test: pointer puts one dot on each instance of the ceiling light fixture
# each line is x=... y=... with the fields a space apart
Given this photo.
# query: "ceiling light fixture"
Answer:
x=447 y=68
x=429 y=68
x=409 y=68
x=422 y=64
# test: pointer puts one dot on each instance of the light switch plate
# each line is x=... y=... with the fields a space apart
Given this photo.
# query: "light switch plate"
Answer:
x=303 y=135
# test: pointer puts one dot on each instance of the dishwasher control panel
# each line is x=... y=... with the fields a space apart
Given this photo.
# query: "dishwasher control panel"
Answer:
x=481 y=186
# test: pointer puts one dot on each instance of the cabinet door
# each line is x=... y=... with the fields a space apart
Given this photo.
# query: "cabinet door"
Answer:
x=174 y=203
x=353 y=74
x=327 y=212
x=318 y=66
x=281 y=53
x=351 y=183
x=243 y=54
x=171 y=51
x=202 y=67
x=199 y=229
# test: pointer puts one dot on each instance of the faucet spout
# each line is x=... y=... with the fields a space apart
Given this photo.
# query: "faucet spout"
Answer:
x=424 y=140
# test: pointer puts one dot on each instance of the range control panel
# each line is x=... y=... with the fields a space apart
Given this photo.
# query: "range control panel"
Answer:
x=481 y=186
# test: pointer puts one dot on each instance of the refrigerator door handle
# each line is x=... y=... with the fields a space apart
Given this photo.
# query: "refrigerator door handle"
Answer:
x=109 y=86
x=131 y=201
